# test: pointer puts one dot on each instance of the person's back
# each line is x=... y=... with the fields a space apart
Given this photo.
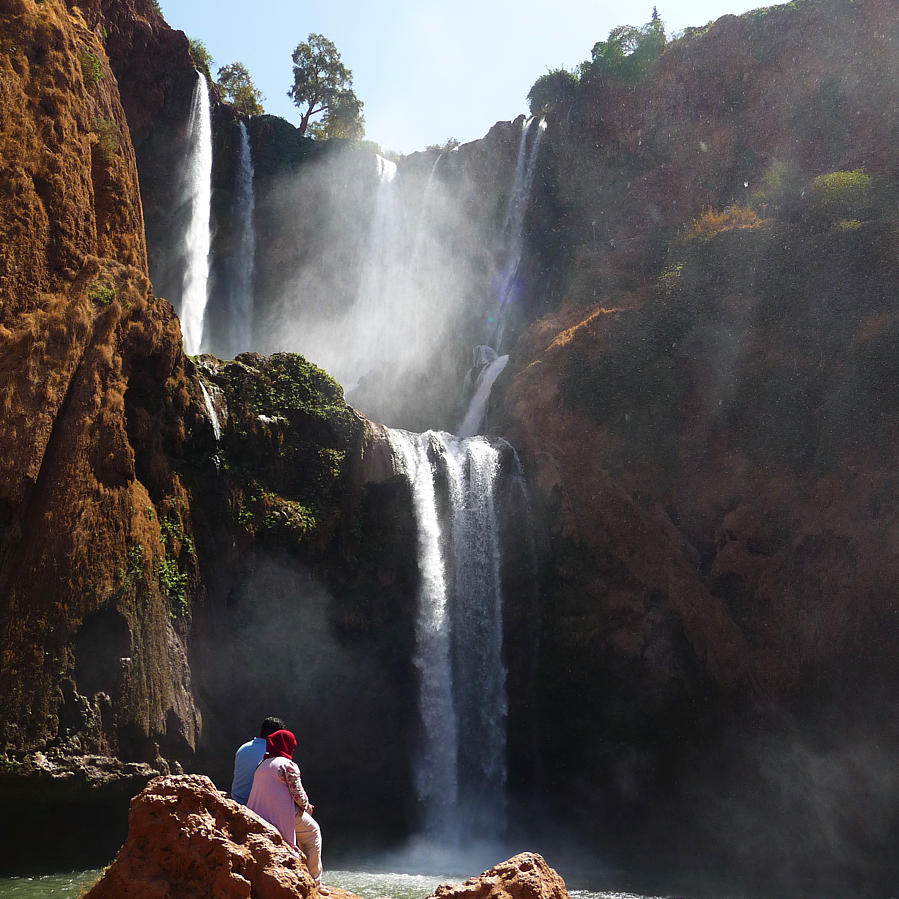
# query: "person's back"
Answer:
x=248 y=757
x=271 y=799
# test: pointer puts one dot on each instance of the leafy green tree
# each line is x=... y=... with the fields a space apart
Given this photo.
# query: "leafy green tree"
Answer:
x=558 y=87
x=323 y=84
x=238 y=89
x=201 y=57
x=343 y=119
x=629 y=52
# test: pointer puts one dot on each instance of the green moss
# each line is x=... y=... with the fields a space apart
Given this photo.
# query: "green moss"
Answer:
x=101 y=294
x=173 y=583
x=90 y=67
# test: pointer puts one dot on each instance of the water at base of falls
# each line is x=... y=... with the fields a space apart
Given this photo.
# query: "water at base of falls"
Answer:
x=460 y=770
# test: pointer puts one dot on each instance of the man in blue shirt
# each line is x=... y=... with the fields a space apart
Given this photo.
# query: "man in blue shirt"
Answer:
x=248 y=757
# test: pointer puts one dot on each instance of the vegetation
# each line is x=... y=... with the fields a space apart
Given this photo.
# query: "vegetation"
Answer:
x=629 y=52
x=156 y=6
x=841 y=196
x=238 y=89
x=712 y=221
x=201 y=57
x=101 y=294
x=449 y=144
x=323 y=84
x=107 y=132
x=557 y=88
x=90 y=67
x=172 y=580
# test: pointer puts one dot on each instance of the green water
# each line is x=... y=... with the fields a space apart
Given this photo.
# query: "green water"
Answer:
x=54 y=885
x=369 y=886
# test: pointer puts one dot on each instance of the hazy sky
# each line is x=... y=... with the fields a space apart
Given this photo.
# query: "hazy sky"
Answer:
x=425 y=70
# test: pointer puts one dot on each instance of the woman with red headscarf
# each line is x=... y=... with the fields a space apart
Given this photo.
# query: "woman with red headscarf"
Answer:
x=278 y=797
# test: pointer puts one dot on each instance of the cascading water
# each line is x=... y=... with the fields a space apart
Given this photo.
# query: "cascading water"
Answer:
x=513 y=228
x=481 y=376
x=436 y=766
x=213 y=415
x=241 y=336
x=461 y=783
x=198 y=193
x=479 y=381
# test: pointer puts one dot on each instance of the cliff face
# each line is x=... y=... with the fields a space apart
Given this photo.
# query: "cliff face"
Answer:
x=79 y=322
x=705 y=416
x=135 y=541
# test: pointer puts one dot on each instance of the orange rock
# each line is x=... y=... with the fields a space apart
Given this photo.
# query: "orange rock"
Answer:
x=524 y=876
x=186 y=839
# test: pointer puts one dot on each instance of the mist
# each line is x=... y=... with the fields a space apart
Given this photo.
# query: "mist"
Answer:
x=383 y=276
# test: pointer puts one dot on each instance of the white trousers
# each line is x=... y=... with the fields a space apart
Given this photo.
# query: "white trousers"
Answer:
x=309 y=839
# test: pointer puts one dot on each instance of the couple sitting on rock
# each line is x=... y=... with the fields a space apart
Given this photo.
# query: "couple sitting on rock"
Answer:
x=267 y=781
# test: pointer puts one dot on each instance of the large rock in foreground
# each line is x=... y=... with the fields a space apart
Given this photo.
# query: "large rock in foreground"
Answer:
x=186 y=839
x=524 y=876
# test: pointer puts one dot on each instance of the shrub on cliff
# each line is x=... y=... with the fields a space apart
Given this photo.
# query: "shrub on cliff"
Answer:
x=840 y=196
x=201 y=57
x=556 y=89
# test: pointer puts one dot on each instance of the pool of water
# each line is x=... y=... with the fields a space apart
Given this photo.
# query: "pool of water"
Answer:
x=365 y=884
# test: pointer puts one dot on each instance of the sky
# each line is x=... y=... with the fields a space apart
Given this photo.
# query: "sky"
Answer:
x=425 y=70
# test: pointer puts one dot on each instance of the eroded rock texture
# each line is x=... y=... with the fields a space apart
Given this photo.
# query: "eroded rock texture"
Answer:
x=186 y=839
x=524 y=876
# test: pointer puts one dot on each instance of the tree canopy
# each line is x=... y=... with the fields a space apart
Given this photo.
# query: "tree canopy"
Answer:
x=238 y=89
x=558 y=87
x=629 y=52
x=202 y=58
x=323 y=84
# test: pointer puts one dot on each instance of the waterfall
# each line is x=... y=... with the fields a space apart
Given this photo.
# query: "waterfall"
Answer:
x=476 y=416
x=198 y=190
x=484 y=371
x=513 y=228
x=210 y=408
x=436 y=766
x=242 y=322
x=460 y=771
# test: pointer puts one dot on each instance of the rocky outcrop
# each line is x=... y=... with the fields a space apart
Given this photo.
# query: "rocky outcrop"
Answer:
x=83 y=614
x=524 y=876
x=186 y=839
x=703 y=417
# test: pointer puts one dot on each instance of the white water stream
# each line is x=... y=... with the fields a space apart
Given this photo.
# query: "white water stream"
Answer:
x=460 y=769
x=198 y=193
x=241 y=336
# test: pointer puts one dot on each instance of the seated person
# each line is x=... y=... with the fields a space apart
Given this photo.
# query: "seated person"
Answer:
x=248 y=757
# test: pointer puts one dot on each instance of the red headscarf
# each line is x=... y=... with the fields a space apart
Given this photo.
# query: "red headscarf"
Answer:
x=280 y=744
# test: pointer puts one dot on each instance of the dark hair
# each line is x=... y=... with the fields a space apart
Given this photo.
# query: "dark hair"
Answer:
x=270 y=725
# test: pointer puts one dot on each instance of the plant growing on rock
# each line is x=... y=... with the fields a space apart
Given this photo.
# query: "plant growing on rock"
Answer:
x=90 y=67
x=629 y=52
x=201 y=57
x=238 y=89
x=323 y=84
x=557 y=88
x=840 y=196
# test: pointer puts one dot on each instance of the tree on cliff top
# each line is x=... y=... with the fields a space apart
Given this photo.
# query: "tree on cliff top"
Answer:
x=558 y=87
x=238 y=89
x=629 y=52
x=322 y=83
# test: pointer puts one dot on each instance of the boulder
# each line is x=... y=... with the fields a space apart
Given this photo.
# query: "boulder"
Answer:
x=524 y=876
x=185 y=839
